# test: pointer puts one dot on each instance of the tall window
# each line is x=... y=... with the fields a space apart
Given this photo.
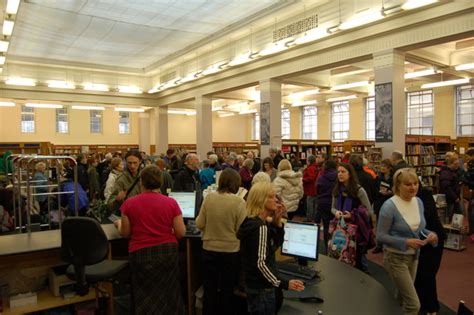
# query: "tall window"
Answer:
x=256 y=127
x=420 y=113
x=62 y=122
x=124 y=122
x=27 y=119
x=370 y=118
x=96 y=121
x=285 y=123
x=340 y=120
x=310 y=122
x=465 y=110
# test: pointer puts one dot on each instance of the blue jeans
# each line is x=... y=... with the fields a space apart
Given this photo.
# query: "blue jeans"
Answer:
x=261 y=302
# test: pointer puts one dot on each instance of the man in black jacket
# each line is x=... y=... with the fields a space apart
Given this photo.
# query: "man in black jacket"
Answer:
x=398 y=162
x=187 y=178
x=365 y=179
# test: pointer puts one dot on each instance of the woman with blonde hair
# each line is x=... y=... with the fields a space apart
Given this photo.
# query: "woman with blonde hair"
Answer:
x=260 y=235
x=116 y=168
x=289 y=186
x=401 y=230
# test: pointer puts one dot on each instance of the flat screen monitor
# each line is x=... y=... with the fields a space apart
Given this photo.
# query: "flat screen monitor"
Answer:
x=186 y=201
x=301 y=240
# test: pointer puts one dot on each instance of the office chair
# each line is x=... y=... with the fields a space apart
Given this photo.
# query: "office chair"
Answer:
x=85 y=246
x=463 y=309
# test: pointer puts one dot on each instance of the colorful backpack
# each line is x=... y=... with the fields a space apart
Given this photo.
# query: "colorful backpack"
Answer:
x=342 y=245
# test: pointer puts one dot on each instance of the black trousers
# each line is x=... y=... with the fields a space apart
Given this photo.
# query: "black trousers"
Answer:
x=220 y=275
x=425 y=281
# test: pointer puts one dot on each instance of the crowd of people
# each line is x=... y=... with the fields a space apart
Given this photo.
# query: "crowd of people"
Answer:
x=241 y=235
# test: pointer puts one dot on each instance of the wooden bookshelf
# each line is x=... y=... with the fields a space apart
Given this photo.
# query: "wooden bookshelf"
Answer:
x=302 y=148
x=463 y=144
x=337 y=149
x=237 y=147
x=100 y=149
x=358 y=146
x=42 y=148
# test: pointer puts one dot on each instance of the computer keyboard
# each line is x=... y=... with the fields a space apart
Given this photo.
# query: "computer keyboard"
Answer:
x=298 y=271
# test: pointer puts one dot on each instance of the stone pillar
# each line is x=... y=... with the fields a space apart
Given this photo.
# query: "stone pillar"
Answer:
x=144 y=132
x=203 y=126
x=161 y=129
x=270 y=114
x=389 y=67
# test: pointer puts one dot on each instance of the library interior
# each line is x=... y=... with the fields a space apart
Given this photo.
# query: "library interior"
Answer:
x=156 y=158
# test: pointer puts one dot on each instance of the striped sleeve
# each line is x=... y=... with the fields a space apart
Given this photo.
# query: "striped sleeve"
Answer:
x=262 y=255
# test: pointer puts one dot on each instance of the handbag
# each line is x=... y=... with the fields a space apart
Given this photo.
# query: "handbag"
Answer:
x=342 y=245
x=114 y=207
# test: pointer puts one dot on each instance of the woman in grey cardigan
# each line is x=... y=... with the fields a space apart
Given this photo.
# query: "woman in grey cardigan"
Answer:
x=401 y=230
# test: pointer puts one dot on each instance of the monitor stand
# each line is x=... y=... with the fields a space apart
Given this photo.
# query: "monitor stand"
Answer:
x=300 y=270
x=191 y=228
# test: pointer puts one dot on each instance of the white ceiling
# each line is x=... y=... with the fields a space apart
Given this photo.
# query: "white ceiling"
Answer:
x=121 y=33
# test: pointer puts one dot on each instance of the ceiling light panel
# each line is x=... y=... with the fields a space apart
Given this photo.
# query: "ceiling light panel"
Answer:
x=413 y=4
x=422 y=73
x=362 y=18
x=85 y=107
x=342 y=98
x=7 y=104
x=21 y=81
x=41 y=105
x=129 y=89
x=7 y=29
x=3 y=45
x=350 y=85
x=444 y=83
x=12 y=6
x=96 y=87
x=61 y=85
x=125 y=109
x=304 y=93
x=466 y=66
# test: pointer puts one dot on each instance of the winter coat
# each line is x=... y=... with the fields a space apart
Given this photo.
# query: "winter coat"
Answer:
x=325 y=186
x=449 y=184
x=289 y=186
x=310 y=175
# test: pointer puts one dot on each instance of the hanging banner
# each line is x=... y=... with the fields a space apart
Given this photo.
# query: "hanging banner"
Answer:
x=265 y=123
x=383 y=113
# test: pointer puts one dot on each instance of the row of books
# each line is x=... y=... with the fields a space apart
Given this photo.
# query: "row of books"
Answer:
x=420 y=149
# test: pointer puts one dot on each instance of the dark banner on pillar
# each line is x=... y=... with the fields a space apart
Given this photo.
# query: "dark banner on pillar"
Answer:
x=383 y=113
x=265 y=123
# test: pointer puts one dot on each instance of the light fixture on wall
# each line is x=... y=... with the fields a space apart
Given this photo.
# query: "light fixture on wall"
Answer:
x=422 y=73
x=61 y=84
x=274 y=48
x=12 y=6
x=413 y=4
x=2 y=60
x=129 y=89
x=313 y=34
x=7 y=104
x=41 y=105
x=20 y=81
x=7 y=29
x=444 y=83
x=86 y=107
x=342 y=98
x=4 y=45
x=465 y=66
x=129 y=109
x=361 y=18
x=349 y=85
x=96 y=87
x=306 y=103
x=226 y=115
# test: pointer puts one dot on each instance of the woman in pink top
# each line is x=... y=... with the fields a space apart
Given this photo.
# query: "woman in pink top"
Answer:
x=153 y=222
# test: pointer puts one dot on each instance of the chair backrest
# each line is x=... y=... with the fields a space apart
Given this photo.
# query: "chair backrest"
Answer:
x=463 y=309
x=83 y=241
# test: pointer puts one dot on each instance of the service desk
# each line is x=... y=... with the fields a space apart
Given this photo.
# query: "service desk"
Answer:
x=25 y=260
x=345 y=290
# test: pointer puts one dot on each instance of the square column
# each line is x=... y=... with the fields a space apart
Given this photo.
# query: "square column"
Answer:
x=390 y=103
x=270 y=116
x=161 y=129
x=144 y=132
x=203 y=126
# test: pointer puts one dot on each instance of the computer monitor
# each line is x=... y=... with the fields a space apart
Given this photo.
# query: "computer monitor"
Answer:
x=301 y=241
x=186 y=201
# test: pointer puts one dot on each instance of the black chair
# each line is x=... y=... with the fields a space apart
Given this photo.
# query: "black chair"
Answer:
x=85 y=246
x=463 y=309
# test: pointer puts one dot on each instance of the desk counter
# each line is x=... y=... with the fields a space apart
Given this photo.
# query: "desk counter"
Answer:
x=345 y=290
x=14 y=244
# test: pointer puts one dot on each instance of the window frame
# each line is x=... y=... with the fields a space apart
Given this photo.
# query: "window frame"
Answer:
x=370 y=118
x=467 y=103
x=309 y=123
x=66 y=123
x=126 y=125
x=285 y=123
x=28 y=126
x=422 y=107
x=100 y=122
x=343 y=114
